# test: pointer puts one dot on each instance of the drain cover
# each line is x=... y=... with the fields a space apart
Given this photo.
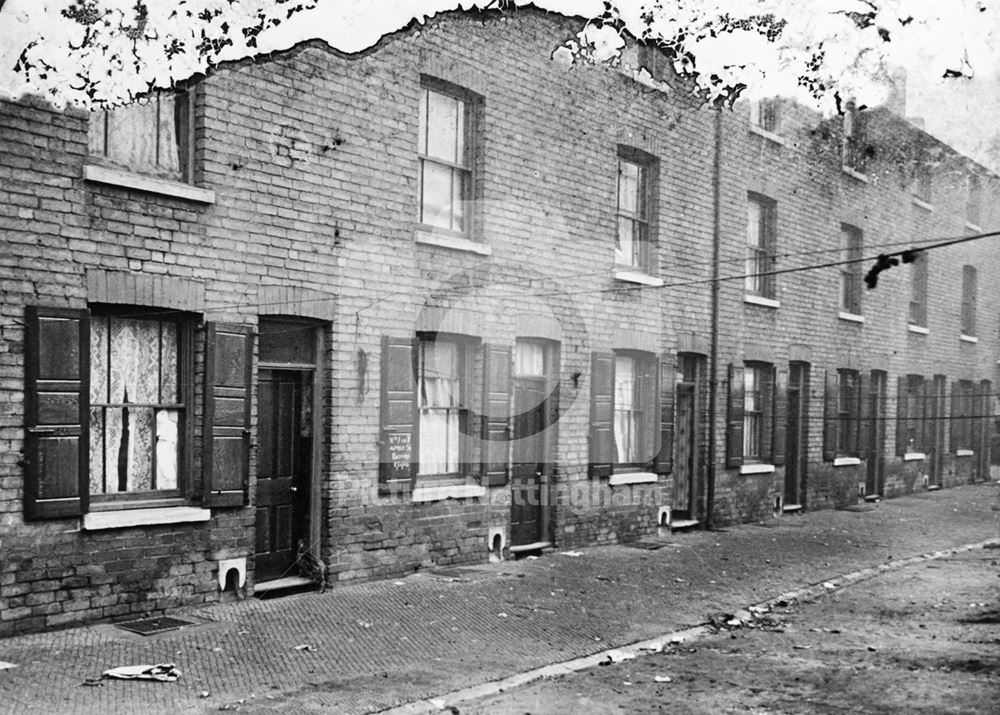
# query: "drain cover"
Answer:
x=647 y=545
x=149 y=626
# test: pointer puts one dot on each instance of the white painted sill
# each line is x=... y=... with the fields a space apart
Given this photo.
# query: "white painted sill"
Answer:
x=761 y=300
x=757 y=469
x=632 y=275
x=455 y=243
x=968 y=339
x=973 y=227
x=846 y=461
x=851 y=317
x=914 y=456
x=853 y=173
x=632 y=478
x=925 y=205
x=125 y=518
x=965 y=453
x=452 y=491
x=151 y=184
x=761 y=132
x=918 y=329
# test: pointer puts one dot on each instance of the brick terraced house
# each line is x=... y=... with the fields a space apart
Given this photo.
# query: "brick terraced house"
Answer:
x=451 y=300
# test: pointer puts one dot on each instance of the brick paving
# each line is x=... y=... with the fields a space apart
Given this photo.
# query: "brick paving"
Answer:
x=376 y=645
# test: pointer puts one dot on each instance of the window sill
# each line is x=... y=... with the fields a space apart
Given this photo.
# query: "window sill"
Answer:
x=632 y=478
x=925 y=205
x=761 y=300
x=918 y=329
x=965 y=453
x=761 y=132
x=968 y=338
x=635 y=275
x=151 y=184
x=846 y=461
x=757 y=469
x=851 y=317
x=125 y=518
x=914 y=456
x=455 y=243
x=452 y=491
x=854 y=174
x=973 y=226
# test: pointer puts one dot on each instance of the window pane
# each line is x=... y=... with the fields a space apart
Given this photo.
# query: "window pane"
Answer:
x=625 y=242
x=436 y=201
x=529 y=360
x=132 y=136
x=167 y=155
x=166 y=448
x=99 y=337
x=626 y=427
x=422 y=131
x=628 y=187
x=134 y=360
x=754 y=214
x=128 y=453
x=459 y=194
x=442 y=127
x=97 y=450
x=168 y=363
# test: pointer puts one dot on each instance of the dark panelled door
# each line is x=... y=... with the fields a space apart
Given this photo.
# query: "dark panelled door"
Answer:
x=795 y=432
x=528 y=460
x=684 y=464
x=283 y=463
x=875 y=476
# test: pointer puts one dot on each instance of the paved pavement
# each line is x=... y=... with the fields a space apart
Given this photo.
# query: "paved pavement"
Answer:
x=369 y=647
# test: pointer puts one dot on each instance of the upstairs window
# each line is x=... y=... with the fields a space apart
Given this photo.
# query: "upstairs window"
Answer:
x=923 y=183
x=446 y=155
x=974 y=200
x=632 y=242
x=850 y=273
x=918 y=290
x=151 y=137
x=761 y=246
x=766 y=114
x=854 y=150
x=654 y=61
x=969 y=283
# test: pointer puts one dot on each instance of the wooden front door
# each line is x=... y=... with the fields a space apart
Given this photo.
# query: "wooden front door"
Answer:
x=875 y=476
x=529 y=456
x=284 y=446
x=795 y=432
x=686 y=451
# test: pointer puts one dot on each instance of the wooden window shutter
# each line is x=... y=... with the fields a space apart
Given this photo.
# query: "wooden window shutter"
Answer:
x=984 y=421
x=780 y=416
x=830 y=415
x=866 y=420
x=649 y=400
x=397 y=442
x=57 y=413
x=734 y=417
x=226 y=433
x=767 y=421
x=665 y=454
x=956 y=423
x=902 y=415
x=602 y=410
x=496 y=415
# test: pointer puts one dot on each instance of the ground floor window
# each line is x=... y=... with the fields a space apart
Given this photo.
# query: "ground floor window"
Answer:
x=441 y=387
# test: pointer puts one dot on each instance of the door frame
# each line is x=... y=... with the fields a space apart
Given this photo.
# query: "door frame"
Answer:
x=314 y=495
x=551 y=356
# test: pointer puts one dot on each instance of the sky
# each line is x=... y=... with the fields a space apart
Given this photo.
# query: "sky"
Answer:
x=927 y=37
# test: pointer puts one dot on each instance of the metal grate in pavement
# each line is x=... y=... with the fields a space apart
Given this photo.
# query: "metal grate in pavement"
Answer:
x=150 y=626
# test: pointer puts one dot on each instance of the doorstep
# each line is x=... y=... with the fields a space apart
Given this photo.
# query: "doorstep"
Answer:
x=280 y=583
x=522 y=548
x=680 y=524
x=791 y=508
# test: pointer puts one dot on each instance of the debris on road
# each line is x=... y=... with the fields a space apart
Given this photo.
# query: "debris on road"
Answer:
x=164 y=672
x=663 y=679
x=571 y=553
x=305 y=647
x=616 y=656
